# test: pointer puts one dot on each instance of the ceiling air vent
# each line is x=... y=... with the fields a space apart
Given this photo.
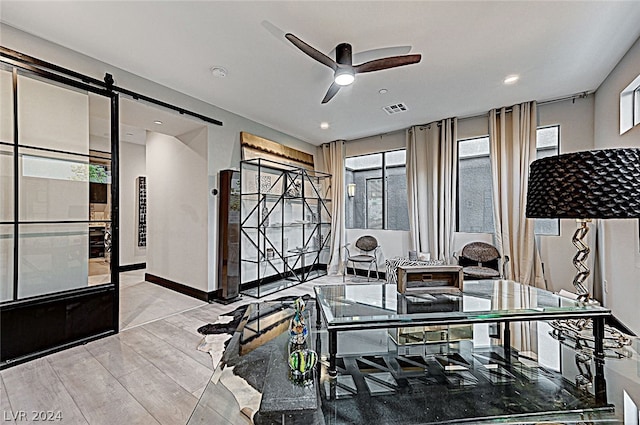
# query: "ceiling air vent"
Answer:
x=395 y=108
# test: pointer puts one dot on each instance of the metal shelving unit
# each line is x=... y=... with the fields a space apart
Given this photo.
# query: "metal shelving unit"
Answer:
x=285 y=226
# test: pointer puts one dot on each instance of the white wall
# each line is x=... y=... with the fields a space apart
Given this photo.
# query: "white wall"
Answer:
x=177 y=210
x=132 y=166
x=619 y=242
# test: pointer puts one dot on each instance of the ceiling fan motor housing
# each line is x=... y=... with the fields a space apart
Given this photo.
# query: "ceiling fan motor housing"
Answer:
x=344 y=54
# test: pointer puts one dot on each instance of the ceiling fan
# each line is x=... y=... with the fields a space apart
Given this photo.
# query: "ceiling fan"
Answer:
x=344 y=70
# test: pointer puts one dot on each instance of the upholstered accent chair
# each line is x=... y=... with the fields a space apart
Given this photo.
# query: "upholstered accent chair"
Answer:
x=480 y=260
x=366 y=251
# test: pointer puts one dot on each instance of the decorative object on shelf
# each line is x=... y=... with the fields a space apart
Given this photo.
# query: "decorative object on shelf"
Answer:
x=583 y=186
x=265 y=214
x=263 y=183
x=298 y=330
x=295 y=189
x=141 y=183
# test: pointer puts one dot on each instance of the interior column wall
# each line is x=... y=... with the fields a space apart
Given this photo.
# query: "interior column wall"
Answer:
x=619 y=244
x=177 y=215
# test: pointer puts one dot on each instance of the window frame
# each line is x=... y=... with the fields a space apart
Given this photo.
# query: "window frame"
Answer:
x=384 y=180
x=630 y=106
x=488 y=155
x=557 y=148
x=635 y=110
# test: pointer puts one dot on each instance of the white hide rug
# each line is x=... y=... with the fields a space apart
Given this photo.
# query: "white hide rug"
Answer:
x=247 y=397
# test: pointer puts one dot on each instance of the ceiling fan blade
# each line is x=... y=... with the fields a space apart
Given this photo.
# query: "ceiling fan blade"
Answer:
x=310 y=51
x=369 y=55
x=333 y=89
x=385 y=63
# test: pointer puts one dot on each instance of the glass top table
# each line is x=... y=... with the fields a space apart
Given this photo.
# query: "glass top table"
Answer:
x=377 y=306
x=378 y=383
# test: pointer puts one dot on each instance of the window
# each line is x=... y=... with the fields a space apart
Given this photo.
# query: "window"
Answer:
x=547 y=144
x=636 y=106
x=377 y=191
x=475 y=193
x=630 y=106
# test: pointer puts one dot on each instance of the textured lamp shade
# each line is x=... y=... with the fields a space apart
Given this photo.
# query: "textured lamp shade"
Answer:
x=590 y=184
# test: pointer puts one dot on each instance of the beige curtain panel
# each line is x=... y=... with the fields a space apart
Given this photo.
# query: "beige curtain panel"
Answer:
x=333 y=154
x=432 y=173
x=512 y=137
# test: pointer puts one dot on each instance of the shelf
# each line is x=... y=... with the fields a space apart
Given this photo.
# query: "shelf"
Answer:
x=274 y=197
x=292 y=254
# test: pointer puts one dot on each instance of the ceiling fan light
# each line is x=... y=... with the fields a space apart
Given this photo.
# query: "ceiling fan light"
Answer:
x=344 y=77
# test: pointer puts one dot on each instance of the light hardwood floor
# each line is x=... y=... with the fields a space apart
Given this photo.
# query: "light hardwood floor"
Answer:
x=150 y=373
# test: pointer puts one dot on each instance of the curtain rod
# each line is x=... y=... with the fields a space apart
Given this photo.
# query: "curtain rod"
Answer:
x=573 y=97
x=107 y=83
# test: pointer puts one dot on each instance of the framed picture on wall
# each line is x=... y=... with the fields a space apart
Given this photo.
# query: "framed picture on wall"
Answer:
x=142 y=211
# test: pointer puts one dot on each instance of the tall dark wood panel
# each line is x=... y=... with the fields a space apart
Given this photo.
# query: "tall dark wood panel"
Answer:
x=229 y=235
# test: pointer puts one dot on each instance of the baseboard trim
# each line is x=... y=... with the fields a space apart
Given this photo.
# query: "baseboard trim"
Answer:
x=362 y=272
x=183 y=289
x=132 y=267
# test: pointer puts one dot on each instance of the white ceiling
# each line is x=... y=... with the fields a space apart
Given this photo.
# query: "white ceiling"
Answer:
x=468 y=48
x=135 y=119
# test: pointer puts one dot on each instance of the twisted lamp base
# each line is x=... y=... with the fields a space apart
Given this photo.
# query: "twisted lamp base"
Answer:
x=580 y=259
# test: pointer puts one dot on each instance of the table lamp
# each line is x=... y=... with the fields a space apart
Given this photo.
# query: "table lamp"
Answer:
x=584 y=186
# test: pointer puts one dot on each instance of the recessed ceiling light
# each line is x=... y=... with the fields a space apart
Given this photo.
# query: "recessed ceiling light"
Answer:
x=324 y=125
x=383 y=91
x=511 y=79
x=218 y=71
x=158 y=122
